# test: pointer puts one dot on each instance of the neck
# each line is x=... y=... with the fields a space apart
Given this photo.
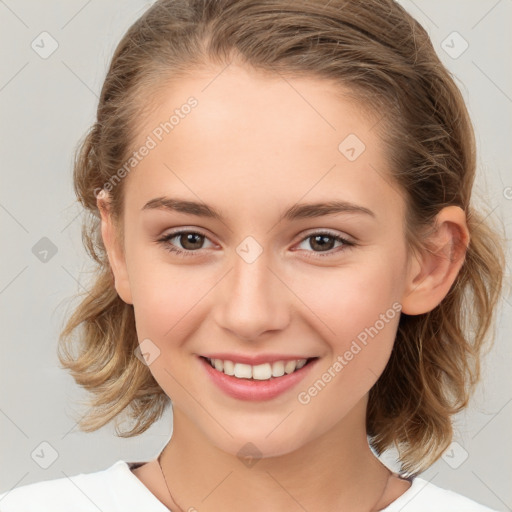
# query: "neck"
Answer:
x=335 y=471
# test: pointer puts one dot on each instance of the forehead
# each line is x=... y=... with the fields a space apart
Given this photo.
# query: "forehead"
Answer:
x=235 y=133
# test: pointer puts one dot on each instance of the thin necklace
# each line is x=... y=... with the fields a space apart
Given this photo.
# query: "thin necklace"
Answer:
x=181 y=510
x=166 y=484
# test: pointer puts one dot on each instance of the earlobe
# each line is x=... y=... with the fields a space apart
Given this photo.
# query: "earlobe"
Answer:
x=114 y=250
x=433 y=272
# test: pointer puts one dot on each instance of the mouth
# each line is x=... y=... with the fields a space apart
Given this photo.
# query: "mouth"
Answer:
x=256 y=382
x=261 y=372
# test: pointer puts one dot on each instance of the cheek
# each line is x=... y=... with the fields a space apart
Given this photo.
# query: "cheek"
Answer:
x=163 y=294
x=357 y=310
x=166 y=303
x=352 y=297
x=358 y=353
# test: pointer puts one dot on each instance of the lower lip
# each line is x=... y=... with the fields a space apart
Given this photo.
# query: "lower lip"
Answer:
x=256 y=390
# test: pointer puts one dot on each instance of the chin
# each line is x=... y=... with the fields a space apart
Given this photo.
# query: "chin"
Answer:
x=259 y=444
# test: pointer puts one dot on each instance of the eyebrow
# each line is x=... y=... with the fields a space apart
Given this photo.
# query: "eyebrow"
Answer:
x=297 y=211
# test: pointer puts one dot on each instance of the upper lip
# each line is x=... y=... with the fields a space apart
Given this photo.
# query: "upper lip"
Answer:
x=255 y=359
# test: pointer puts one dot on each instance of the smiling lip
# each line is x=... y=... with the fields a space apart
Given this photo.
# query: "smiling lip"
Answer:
x=256 y=359
x=251 y=389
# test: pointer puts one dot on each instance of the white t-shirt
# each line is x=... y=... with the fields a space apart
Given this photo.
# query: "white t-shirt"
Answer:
x=117 y=489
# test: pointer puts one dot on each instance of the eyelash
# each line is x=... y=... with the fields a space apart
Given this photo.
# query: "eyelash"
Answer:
x=185 y=253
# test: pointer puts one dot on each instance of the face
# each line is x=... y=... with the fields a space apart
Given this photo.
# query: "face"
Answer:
x=266 y=279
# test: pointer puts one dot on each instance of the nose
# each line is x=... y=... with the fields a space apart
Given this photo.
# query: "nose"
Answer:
x=252 y=300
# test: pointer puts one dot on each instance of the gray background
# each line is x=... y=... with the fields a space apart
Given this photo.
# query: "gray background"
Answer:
x=47 y=105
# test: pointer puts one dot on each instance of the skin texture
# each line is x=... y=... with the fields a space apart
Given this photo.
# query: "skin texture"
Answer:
x=253 y=147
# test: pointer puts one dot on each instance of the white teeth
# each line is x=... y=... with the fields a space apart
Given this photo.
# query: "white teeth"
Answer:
x=278 y=369
x=263 y=371
x=301 y=363
x=243 y=371
x=290 y=366
x=229 y=368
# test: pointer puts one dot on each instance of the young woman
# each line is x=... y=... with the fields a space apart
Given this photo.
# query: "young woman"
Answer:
x=288 y=251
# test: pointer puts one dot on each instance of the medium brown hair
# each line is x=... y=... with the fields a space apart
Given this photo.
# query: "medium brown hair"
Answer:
x=377 y=51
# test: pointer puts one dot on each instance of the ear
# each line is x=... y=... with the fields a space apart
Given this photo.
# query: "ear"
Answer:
x=432 y=273
x=115 y=252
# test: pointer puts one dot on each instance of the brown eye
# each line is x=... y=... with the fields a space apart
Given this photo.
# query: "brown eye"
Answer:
x=188 y=242
x=325 y=243
x=322 y=242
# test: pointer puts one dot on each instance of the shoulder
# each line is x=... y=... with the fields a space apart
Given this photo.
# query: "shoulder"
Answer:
x=424 y=496
x=114 y=489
